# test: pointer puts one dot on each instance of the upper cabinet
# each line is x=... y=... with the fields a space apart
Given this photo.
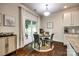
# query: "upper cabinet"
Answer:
x=67 y=19
x=71 y=18
x=75 y=18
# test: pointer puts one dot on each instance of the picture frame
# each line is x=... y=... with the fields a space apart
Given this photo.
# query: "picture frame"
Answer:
x=8 y=21
x=0 y=19
x=49 y=25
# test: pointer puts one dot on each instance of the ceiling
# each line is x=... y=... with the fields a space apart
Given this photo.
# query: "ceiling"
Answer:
x=39 y=8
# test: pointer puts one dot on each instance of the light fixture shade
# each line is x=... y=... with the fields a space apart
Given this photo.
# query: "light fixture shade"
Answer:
x=46 y=13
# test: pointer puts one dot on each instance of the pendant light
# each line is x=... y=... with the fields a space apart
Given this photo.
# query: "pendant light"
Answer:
x=46 y=13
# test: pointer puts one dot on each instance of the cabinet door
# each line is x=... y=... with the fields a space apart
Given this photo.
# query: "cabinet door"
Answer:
x=70 y=51
x=75 y=18
x=2 y=46
x=11 y=44
x=67 y=19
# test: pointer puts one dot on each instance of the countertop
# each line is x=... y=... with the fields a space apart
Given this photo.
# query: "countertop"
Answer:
x=74 y=42
x=6 y=35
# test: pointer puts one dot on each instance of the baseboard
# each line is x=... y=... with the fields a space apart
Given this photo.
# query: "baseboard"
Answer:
x=59 y=42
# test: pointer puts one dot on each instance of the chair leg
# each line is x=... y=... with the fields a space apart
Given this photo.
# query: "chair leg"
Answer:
x=34 y=45
x=50 y=45
x=39 y=46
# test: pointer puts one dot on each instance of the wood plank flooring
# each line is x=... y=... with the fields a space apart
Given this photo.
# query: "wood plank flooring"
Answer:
x=59 y=50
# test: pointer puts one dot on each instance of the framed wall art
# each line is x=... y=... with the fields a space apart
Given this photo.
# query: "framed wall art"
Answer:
x=9 y=21
x=49 y=25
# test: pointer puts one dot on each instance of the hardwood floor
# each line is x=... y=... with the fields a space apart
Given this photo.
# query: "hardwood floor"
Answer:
x=59 y=50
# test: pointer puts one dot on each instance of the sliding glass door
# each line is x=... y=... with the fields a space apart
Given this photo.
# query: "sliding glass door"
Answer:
x=34 y=27
x=30 y=28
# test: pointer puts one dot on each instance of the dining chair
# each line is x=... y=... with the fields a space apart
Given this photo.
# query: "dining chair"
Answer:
x=50 y=40
x=36 y=40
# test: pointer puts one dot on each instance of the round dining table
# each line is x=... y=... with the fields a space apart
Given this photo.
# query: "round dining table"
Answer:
x=43 y=39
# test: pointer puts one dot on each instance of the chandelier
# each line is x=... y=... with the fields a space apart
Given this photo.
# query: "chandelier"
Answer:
x=46 y=13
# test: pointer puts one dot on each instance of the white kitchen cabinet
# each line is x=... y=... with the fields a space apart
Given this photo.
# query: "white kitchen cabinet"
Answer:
x=7 y=45
x=71 y=18
x=12 y=44
x=67 y=19
x=69 y=40
x=75 y=18
x=2 y=46
x=70 y=51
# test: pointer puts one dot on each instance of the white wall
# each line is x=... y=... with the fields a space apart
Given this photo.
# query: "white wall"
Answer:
x=12 y=10
x=58 y=25
x=58 y=28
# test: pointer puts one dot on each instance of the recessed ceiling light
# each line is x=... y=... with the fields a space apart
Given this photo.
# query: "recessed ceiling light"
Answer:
x=65 y=6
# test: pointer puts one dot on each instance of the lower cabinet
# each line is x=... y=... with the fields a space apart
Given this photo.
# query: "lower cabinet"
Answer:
x=70 y=51
x=7 y=45
x=11 y=44
x=2 y=46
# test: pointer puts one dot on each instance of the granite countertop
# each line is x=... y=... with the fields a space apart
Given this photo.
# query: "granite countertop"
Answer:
x=74 y=42
x=7 y=35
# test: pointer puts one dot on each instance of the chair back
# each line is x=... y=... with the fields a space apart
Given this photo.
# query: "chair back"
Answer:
x=51 y=36
x=36 y=38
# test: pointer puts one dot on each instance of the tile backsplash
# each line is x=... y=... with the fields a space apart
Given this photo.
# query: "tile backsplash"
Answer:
x=71 y=29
